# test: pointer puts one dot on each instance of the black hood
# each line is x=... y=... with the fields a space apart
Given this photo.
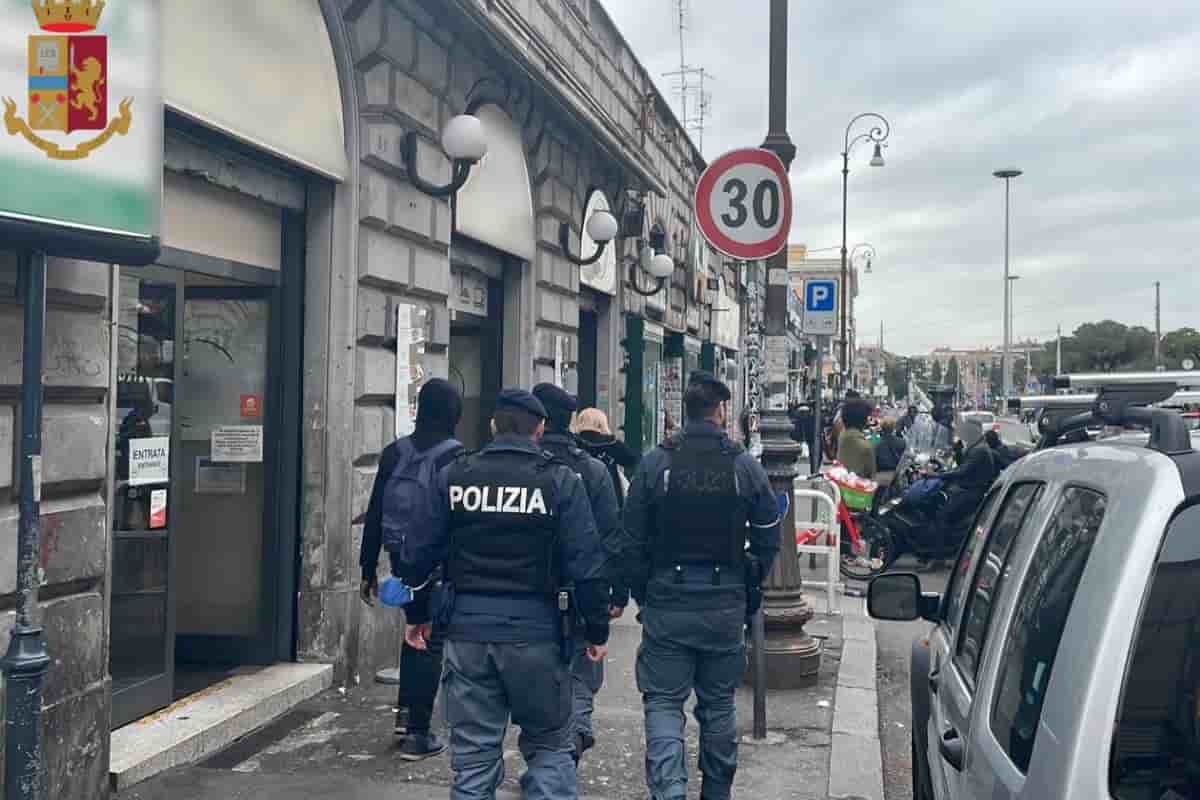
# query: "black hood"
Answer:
x=439 y=409
x=597 y=439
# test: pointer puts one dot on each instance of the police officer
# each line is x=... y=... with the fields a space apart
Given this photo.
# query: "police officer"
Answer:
x=693 y=504
x=511 y=526
x=587 y=676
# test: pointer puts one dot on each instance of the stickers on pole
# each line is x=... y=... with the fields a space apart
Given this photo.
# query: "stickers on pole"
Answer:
x=743 y=204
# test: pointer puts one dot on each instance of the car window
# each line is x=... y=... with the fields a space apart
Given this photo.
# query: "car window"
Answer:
x=1156 y=749
x=985 y=587
x=1038 y=621
x=956 y=594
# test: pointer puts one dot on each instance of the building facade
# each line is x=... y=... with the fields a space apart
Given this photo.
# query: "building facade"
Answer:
x=306 y=289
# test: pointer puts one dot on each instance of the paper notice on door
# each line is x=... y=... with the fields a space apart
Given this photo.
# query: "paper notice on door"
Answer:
x=158 y=508
x=234 y=444
x=219 y=478
x=149 y=460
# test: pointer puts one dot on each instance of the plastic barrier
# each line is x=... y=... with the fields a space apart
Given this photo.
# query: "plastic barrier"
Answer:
x=831 y=549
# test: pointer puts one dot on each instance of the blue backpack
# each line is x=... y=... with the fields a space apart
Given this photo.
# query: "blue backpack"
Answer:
x=409 y=496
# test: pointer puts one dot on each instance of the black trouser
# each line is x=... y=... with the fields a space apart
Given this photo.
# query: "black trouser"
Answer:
x=959 y=509
x=420 y=675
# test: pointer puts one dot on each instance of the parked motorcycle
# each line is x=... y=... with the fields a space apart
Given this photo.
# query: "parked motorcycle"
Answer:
x=912 y=522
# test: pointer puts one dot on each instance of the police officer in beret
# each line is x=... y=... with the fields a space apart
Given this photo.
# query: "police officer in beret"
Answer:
x=587 y=676
x=511 y=526
x=694 y=504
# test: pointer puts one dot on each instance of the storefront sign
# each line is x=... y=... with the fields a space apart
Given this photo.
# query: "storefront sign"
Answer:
x=251 y=406
x=469 y=292
x=158 y=509
x=213 y=478
x=149 y=460
x=81 y=145
x=602 y=275
x=237 y=444
x=727 y=320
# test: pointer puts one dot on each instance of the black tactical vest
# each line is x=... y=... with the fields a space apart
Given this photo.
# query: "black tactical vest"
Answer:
x=503 y=532
x=699 y=518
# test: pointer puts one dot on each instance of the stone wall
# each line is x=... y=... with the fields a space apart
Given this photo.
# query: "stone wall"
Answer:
x=589 y=118
x=75 y=447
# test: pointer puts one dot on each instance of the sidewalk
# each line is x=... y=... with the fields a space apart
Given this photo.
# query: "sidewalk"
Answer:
x=341 y=745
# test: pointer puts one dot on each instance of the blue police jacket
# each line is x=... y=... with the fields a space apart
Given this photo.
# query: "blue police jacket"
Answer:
x=603 y=499
x=518 y=618
x=697 y=590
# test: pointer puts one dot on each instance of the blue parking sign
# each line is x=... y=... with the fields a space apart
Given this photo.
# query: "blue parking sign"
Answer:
x=820 y=307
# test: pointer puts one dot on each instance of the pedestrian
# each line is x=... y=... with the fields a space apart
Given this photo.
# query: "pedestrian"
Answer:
x=587 y=676
x=855 y=453
x=512 y=527
x=686 y=516
x=890 y=447
x=439 y=408
x=907 y=420
x=591 y=426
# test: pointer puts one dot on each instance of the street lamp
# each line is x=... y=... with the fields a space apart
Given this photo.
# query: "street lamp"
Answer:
x=464 y=140
x=1007 y=174
x=877 y=134
x=867 y=251
x=601 y=228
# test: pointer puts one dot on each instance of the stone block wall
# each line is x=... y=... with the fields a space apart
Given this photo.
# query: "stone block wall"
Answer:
x=76 y=437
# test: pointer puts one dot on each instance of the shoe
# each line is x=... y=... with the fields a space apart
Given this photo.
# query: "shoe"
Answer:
x=402 y=722
x=420 y=746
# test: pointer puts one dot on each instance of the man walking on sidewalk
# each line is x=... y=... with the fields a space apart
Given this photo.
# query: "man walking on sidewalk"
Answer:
x=587 y=676
x=513 y=528
x=687 y=514
x=438 y=411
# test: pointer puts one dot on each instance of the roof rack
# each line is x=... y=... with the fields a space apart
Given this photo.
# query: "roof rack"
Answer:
x=1093 y=380
x=1122 y=401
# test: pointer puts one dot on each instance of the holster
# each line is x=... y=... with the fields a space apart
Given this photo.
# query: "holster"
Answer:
x=752 y=572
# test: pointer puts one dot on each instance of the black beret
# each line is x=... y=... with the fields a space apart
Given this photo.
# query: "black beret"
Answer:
x=703 y=377
x=521 y=400
x=554 y=397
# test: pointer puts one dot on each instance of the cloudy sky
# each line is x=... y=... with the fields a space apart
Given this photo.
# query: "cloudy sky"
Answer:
x=1098 y=102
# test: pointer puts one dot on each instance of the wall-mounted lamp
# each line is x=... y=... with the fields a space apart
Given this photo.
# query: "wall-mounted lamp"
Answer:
x=601 y=228
x=653 y=261
x=463 y=140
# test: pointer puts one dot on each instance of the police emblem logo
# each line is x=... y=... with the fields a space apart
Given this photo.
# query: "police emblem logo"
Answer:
x=68 y=81
x=498 y=499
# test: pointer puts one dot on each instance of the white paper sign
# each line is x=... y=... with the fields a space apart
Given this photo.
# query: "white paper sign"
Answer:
x=232 y=444
x=149 y=460
x=219 y=478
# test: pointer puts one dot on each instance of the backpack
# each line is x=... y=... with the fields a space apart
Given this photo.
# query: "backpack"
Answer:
x=409 y=495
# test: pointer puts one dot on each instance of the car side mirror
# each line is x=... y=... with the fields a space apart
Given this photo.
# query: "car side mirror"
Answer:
x=897 y=597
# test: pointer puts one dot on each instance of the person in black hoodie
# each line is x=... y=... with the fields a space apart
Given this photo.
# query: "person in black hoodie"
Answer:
x=438 y=410
x=591 y=428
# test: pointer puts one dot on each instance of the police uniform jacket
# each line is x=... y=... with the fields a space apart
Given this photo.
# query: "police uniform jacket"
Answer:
x=693 y=587
x=603 y=498
x=517 y=617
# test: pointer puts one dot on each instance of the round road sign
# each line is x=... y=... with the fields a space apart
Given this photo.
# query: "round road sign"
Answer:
x=744 y=204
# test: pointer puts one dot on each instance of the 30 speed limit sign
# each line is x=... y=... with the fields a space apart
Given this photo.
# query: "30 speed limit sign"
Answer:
x=744 y=204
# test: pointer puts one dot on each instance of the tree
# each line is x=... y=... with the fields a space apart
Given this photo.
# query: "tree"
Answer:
x=936 y=376
x=952 y=377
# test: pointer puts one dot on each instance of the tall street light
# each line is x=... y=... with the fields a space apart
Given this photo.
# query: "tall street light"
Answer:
x=1012 y=325
x=878 y=134
x=792 y=657
x=1007 y=174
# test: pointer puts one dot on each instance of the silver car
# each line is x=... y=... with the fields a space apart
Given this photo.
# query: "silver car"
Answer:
x=1064 y=659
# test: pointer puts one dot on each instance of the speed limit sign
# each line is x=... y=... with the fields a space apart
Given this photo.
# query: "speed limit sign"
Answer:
x=744 y=204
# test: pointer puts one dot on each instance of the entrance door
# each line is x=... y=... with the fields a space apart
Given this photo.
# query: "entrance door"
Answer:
x=589 y=328
x=193 y=513
x=476 y=367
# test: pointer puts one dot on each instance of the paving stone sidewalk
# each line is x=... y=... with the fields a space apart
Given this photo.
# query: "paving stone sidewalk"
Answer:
x=340 y=744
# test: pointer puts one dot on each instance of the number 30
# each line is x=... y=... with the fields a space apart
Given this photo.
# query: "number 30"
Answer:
x=766 y=199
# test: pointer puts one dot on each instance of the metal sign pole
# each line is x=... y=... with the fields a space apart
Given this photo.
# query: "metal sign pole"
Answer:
x=815 y=453
x=760 y=677
x=26 y=661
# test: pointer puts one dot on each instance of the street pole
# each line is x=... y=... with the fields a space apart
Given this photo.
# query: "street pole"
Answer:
x=1157 y=327
x=792 y=656
x=26 y=661
x=1058 y=355
x=844 y=288
x=1006 y=366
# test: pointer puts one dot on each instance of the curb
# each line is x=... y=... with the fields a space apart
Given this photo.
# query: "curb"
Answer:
x=856 y=758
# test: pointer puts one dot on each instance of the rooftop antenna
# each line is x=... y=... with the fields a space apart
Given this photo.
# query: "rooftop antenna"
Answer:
x=689 y=81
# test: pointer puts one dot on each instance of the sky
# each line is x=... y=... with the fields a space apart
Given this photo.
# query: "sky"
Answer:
x=1098 y=103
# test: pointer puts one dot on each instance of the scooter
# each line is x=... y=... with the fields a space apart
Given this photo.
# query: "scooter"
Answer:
x=912 y=522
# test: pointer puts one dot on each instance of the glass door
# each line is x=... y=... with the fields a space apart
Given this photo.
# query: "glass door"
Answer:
x=142 y=643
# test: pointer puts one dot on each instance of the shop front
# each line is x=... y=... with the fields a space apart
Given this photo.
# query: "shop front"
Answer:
x=598 y=316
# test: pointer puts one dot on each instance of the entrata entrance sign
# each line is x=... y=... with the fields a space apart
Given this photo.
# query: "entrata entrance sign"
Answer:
x=744 y=204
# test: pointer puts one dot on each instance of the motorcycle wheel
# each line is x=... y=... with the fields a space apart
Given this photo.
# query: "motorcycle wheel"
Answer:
x=879 y=551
